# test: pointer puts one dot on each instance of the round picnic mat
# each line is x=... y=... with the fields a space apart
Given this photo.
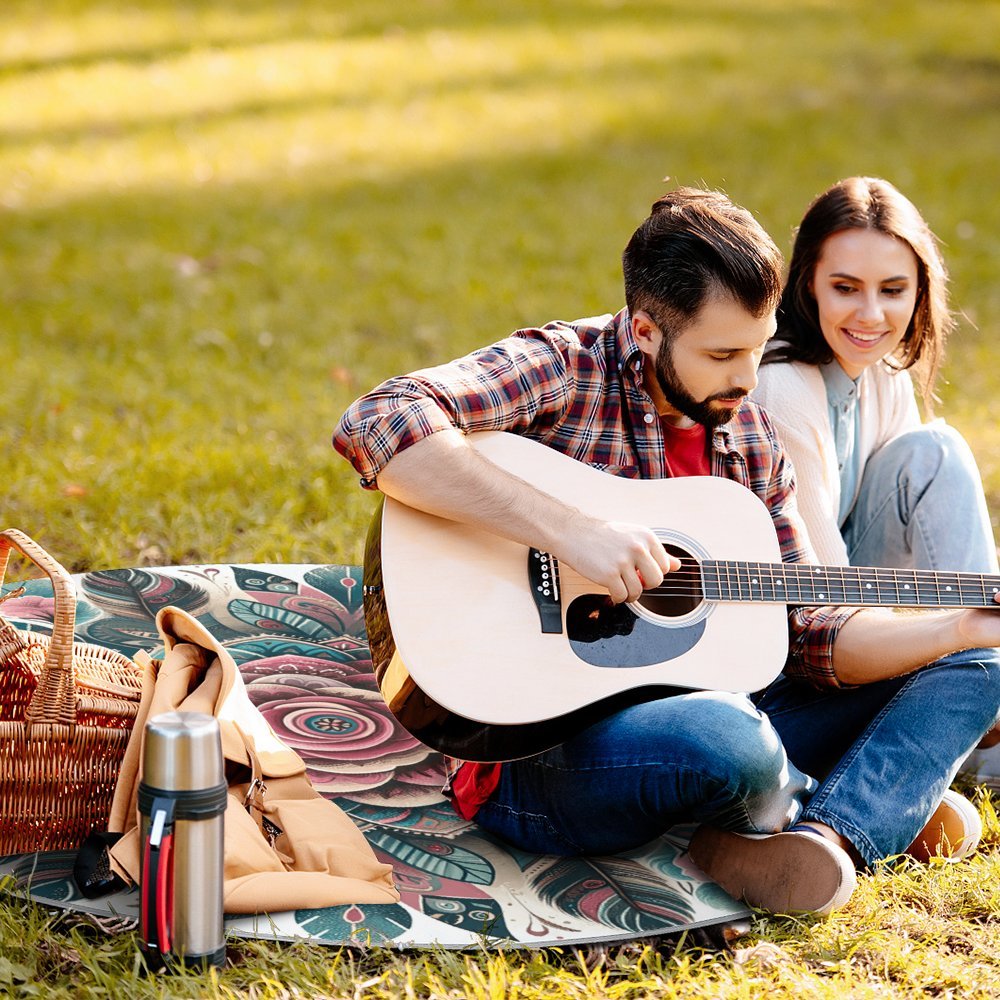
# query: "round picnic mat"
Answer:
x=297 y=634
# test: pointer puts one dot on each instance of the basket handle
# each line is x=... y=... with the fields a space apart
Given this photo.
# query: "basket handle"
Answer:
x=54 y=700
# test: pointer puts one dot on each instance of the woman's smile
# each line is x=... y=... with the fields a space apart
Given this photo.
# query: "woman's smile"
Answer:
x=865 y=285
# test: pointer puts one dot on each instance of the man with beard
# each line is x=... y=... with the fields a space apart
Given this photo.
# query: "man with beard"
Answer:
x=841 y=762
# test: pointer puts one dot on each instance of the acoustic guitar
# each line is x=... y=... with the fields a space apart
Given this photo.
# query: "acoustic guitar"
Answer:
x=486 y=650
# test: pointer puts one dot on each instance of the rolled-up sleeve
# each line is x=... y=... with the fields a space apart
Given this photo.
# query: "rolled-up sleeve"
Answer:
x=812 y=632
x=382 y=423
x=515 y=384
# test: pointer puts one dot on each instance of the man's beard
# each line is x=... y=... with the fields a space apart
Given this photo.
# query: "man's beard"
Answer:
x=680 y=399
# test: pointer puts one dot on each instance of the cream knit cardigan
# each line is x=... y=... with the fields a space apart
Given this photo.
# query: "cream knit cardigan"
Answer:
x=794 y=395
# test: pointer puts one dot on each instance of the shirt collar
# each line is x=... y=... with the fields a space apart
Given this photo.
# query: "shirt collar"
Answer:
x=630 y=357
x=722 y=439
x=840 y=387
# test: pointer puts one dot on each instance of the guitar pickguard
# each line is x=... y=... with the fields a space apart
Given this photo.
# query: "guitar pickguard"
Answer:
x=613 y=635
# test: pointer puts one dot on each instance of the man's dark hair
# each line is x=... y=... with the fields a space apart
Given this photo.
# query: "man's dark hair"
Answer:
x=694 y=244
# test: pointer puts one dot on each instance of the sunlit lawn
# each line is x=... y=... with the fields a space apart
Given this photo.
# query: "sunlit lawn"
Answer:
x=222 y=221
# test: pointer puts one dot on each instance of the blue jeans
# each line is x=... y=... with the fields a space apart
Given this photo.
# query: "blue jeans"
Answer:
x=884 y=754
x=921 y=506
x=696 y=756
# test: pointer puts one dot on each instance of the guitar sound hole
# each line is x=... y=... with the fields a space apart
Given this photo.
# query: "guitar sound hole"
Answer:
x=680 y=593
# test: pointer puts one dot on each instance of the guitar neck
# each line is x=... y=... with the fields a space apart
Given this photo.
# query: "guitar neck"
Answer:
x=801 y=583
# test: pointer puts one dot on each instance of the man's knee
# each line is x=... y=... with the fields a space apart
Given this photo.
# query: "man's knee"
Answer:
x=765 y=790
x=739 y=738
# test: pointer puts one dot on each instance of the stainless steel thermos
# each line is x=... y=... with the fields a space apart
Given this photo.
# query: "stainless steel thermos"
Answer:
x=182 y=801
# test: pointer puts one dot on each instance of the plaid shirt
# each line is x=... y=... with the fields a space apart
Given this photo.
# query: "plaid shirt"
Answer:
x=577 y=387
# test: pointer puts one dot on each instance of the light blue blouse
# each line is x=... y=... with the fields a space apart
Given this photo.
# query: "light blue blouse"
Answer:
x=842 y=402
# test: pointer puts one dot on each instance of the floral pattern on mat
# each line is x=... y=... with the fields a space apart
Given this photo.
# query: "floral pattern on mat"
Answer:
x=297 y=633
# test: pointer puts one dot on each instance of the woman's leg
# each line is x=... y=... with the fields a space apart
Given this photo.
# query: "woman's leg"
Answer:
x=921 y=506
x=703 y=757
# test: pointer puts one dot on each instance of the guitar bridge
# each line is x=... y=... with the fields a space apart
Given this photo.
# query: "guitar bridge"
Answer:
x=543 y=578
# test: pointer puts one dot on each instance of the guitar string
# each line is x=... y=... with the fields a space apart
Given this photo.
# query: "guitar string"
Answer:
x=809 y=571
x=833 y=599
x=848 y=584
x=688 y=581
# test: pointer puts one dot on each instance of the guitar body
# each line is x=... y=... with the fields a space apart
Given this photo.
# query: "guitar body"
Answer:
x=475 y=663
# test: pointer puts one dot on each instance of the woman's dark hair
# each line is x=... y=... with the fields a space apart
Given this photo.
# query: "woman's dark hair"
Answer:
x=866 y=203
x=695 y=243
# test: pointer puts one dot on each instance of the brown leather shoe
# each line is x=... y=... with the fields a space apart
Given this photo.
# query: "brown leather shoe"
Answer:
x=953 y=832
x=788 y=872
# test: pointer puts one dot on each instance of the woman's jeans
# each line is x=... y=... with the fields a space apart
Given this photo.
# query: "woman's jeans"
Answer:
x=872 y=761
x=920 y=505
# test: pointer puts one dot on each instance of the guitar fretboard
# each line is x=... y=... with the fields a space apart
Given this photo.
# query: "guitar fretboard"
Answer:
x=800 y=583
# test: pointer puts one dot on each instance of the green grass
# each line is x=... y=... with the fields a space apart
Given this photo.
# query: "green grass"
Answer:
x=910 y=932
x=221 y=221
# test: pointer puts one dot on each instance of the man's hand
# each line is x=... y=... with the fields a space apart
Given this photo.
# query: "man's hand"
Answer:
x=624 y=558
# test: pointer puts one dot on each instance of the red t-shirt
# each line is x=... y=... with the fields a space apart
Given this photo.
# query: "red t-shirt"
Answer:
x=686 y=455
x=686 y=450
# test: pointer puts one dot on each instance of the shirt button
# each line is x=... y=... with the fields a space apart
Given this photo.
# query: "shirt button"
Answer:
x=648 y=418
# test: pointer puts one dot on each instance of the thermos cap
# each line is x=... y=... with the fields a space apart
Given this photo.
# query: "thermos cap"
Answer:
x=182 y=752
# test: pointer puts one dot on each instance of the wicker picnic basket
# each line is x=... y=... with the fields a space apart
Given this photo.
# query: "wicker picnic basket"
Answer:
x=66 y=711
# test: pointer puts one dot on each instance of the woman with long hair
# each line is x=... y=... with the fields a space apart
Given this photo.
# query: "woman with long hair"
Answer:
x=863 y=320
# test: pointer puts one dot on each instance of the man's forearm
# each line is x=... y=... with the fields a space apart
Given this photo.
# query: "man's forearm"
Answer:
x=444 y=475
x=878 y=643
